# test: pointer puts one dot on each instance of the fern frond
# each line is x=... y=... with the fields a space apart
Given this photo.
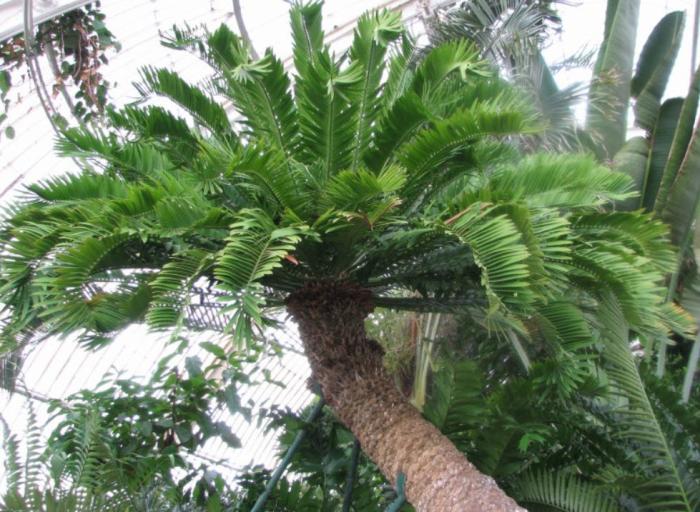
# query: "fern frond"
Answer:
x=172 y=287
x=255 y=248
x=260 y=90
x=561 y=491
x=327 y=104
x=307 y=34
x=433 y=147
x=560 y=181
x=456 y=405
x=202 y=108
x=661 y=485
x=11 y=460
x=406 y=116
x=400 y=70
x=445 y=59
x=498 y=251
x=33 y=474
x=374 y=32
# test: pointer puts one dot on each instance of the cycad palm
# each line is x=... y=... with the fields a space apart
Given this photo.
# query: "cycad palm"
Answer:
x=347 y=191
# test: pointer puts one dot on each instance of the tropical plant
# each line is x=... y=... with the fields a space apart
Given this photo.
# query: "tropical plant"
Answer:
x=126 y=446
x=662 y=162
x=326 y=472
x=345 y=192
x=512 y=34
x=551 y=444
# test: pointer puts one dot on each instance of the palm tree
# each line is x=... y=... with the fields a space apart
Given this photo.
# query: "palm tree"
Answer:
x=343 y=192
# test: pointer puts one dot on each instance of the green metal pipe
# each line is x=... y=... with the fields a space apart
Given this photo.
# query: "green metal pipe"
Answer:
x=400 y=492
x=352 y=470
x=279 y=471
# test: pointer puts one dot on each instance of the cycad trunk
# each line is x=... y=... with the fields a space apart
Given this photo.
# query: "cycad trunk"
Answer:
x=348 y=367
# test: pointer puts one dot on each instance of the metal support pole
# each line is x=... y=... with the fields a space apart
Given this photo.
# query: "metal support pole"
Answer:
x=242 y=28
x=400 y=492
x=279 y=471
x=352 y=470
x=694 y=49
x=33 y=65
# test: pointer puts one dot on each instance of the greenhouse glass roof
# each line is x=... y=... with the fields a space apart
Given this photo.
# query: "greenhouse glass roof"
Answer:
x=58 y=367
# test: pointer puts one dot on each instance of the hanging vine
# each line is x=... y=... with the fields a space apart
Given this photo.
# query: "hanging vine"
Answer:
x=76 y=45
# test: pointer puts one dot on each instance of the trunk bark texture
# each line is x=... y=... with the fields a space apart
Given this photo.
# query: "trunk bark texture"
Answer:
x=348 y=366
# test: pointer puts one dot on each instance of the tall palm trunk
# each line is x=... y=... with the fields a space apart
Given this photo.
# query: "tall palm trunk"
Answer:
x=348 y=367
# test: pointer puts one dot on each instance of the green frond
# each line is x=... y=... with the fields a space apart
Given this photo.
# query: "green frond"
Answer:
x=400 y=71
x=547 y=237
x=498 y=251
x=11 y=459
x=455 y=404
x=203 y=109
x=79 y=187
x=255 y=248
x=374 y=32
x=327 y=104
x=445 y=59
x=173 y=213
x=433 y=147
x=677 y=320
x=68 y=302
x=648 y=237
x=307 y=34
x=152 y=122
x=608 y=265
x=172 y=287
x=32 y=439
x=660 y=484
x=359 y=190
x=545 y=491
x=83 y=143
x=186 y=37
x=559 y=181
x=426 y=260
x=128 y=159
x=260 y=91
x=406 y=116
x=564 y=323
x=679 y=422
x=273 y=182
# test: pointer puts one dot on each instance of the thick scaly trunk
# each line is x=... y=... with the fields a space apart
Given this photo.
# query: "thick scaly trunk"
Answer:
x=348 y=367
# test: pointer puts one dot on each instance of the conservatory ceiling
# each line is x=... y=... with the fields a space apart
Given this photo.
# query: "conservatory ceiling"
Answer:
x=57 y=368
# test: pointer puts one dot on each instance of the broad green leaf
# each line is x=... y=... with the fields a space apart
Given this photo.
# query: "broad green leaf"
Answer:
x=654 y=68
x=684 y=194
x=609 y=95
x=632 y=160
x=681 y=139
x=661 y=140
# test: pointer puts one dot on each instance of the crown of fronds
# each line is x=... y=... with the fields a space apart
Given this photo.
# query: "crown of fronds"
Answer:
x=373 y=166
